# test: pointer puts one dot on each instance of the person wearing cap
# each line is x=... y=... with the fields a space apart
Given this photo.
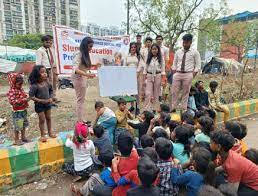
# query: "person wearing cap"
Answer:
x=186 y=65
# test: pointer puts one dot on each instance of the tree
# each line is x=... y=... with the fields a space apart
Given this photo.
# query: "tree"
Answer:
x=172 y=18
x=238 y=38
x=29 y=41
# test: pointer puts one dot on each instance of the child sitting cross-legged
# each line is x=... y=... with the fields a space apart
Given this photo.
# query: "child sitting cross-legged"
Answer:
x=165 y=163
x=95 y=179
x=181 y=144
x=101 y=142
x=146 y=141
x=106 y=118
x=191 y=106
x=147 y=172
x=122 y=115
x=83 y=150
x=203 y=173
x=122 y=164
x=206 y=126
x=132 y=178
x=143 y=126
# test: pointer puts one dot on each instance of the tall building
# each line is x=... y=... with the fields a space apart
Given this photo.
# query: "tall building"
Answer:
x=12 y=18
x=231 y=25
x=97 y=30
x=36 y=16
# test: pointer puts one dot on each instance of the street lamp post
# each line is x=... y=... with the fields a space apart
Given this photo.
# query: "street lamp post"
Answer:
x=128 y=13
x=255 y=58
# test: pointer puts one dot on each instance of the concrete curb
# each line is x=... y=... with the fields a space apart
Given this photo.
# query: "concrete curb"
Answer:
x=33 y=161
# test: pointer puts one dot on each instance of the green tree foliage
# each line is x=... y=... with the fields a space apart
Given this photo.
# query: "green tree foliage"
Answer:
x=29 y=41
x=241 y=35
x=172 y=18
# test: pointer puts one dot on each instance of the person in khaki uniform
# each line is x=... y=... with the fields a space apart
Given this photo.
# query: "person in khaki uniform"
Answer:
x=54 y=67
x=154 y=72
x=144 y=55
x=214 y=100
x=45 y=56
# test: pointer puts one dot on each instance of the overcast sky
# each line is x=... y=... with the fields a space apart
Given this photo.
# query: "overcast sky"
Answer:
x=113 y=12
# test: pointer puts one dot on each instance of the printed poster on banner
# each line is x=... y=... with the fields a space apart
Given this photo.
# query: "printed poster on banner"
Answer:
x=67 y=42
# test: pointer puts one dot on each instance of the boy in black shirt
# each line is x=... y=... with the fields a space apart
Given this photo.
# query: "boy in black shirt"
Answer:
x=147 y=172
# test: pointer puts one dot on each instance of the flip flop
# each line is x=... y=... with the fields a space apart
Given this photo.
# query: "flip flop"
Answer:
x=19 y=143
x=25 y=140
x=52 y=135
x=43 y=139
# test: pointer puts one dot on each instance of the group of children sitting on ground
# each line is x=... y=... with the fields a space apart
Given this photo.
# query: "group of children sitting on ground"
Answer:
x=200 y=99
x=167 y=156
x=160 y=156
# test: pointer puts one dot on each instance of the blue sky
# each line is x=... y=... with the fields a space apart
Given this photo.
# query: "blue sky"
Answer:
x=113 y=12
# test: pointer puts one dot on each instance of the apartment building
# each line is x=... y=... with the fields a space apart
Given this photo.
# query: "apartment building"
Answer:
x=36 y=16
x=97 y=30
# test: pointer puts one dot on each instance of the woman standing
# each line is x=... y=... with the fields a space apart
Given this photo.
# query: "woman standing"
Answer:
x=133 y=59
x=82 y=64
x=154 y=72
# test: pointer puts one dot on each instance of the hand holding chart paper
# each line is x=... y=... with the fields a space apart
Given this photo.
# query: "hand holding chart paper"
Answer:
x=117 y=81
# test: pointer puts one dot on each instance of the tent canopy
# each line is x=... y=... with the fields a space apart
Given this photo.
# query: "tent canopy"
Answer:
x=7 y=66
x=17 y=54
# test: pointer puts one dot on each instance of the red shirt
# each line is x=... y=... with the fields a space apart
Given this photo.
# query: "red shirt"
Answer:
x=125 y=165
x=239 y=169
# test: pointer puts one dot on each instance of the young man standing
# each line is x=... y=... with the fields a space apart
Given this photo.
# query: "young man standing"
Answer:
x=45 y=56
x=164 y=49
x=165 y=55
x=186 y=65
x=139 y=42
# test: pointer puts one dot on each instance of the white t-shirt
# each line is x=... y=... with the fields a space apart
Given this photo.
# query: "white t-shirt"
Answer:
x=82 y=155
x=108 y=113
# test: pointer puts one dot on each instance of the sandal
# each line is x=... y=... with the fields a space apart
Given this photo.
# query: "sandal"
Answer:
x=52 y=135
x=25 y=140
x=18 y=143
x=43 y=139
x=75 y=190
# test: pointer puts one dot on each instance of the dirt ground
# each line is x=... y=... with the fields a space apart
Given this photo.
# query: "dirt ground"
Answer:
x=63 y=117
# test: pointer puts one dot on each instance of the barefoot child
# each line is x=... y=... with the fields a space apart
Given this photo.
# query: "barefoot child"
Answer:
x=41 y=92
x=19 y=101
